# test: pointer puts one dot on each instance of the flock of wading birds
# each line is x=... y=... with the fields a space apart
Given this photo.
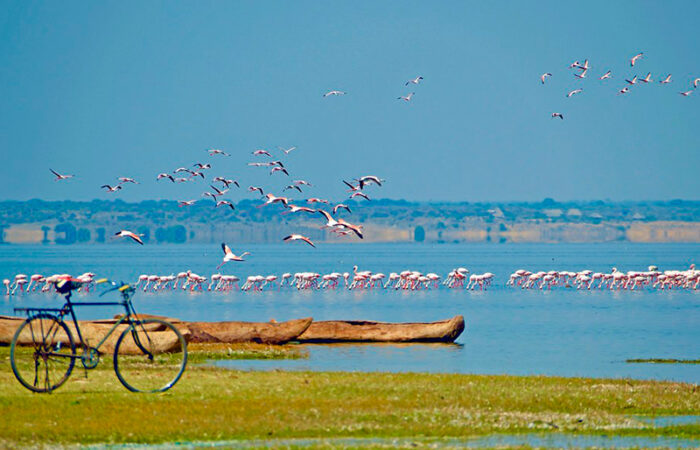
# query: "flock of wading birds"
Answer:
x=459 y=278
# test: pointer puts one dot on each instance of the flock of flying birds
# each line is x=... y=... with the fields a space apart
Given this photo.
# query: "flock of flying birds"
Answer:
x=632 y=81
x=406 y=98
x=221 y=185
x=339 y=226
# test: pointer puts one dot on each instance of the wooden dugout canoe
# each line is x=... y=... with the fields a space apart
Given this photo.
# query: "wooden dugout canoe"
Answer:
x=366 y=331
x=261 y=332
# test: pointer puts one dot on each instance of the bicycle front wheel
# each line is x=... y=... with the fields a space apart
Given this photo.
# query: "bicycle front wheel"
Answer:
x=42 y=353
x=150 y=356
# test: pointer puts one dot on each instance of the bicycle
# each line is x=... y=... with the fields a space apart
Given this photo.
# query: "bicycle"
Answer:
x=150 y=354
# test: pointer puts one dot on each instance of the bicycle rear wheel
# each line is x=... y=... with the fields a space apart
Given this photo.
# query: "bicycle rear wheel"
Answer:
x=150 y=356
x=42 y=353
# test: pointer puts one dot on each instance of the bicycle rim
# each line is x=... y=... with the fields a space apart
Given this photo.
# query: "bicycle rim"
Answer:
x=150 y=356
x=42 y=353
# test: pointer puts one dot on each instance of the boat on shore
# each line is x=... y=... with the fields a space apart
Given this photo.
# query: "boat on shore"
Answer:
x=260 y=332
x=331 y=331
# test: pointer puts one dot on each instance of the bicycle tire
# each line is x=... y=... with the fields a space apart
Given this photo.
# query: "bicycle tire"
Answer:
x=150 y=356
x=53 y=354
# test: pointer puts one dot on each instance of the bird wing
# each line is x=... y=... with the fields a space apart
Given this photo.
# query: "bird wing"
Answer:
x=55 y=173
x=134 y=237
x=226 y=249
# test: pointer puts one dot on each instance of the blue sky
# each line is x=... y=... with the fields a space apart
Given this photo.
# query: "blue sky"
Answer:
x=108 y=89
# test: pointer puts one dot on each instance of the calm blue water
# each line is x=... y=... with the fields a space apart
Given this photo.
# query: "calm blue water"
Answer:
x=562 y=332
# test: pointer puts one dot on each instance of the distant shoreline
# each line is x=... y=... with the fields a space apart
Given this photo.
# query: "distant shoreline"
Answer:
x=549 y=221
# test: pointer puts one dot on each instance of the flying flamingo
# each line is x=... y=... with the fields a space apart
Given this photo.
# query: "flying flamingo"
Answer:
x=341 y=205
x=298 y=237
x=329 y=93
x=273 y=199
x=646 y=79
x=292 y=186
x=581 y=75
x=60 y=177
x=414 y=81
x=216 y=151
x=544 y=76
x=606 y=75
x=624 y=90
x=302 y=183
x=201 y=166
x=286 y=150
x=696 y=82
x=369 y=179
x=255 y=188
x=406 y=98
x=219 y=191
x=130 y=234
x=575 y=91
x=359 y=194
x=632 y=81
x=635 y=58
x=556 y=114
x=225 y=202
x=123 y=180
x=111 y=188
x=295 y=208
x=229 y=256
x=262 y=152
x=357 y=229
x=686 y=93
x=279 y=169
x=666 y=80
x=186 y=203
x=226 y=182
x=165 y=175
x=585 y=66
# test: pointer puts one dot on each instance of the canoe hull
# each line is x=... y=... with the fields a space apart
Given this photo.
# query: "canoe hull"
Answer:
x=366 y=331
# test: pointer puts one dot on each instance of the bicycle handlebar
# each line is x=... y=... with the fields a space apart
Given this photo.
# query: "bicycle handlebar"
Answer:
x=122 y=287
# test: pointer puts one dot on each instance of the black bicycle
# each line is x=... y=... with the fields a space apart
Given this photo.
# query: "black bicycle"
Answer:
x=150 y=354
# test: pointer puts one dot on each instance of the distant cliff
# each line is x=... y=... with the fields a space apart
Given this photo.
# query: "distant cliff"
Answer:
x=67 y=222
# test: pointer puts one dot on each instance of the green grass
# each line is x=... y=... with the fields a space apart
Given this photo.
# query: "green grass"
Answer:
x=212 y=404
x=664 y=361
x=199 y=353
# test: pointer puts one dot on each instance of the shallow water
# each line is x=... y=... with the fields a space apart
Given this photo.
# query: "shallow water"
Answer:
x=553 y=440
x=562 y=332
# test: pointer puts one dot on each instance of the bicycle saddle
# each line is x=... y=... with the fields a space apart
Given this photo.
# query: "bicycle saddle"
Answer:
x=66 y=286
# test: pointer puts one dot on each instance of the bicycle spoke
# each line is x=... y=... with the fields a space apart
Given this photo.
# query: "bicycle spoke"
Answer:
x=49 y=363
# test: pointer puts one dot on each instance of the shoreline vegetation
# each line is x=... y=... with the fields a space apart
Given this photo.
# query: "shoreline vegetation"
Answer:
x=162 y=221
x=215 y=404
x=662 y=361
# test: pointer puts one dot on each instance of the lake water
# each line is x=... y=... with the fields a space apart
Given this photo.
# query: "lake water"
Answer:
x=562 y=332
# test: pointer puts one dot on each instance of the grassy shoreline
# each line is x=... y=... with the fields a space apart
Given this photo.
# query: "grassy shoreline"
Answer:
x=219 y=404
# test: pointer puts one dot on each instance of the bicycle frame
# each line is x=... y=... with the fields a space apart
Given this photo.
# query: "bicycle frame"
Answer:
x=68 y=308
